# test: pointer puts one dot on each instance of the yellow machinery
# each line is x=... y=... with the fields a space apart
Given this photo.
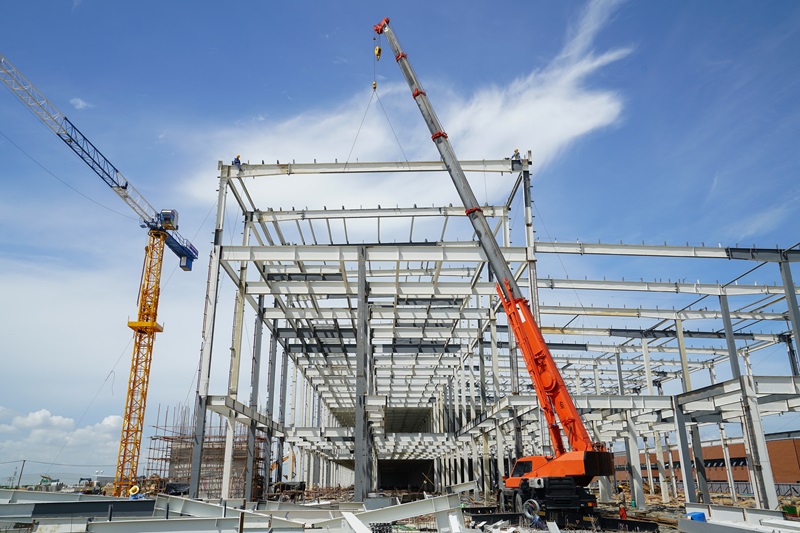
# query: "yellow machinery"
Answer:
x=162 y=225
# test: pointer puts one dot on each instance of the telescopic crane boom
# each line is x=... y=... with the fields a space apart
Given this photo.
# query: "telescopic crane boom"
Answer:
x=585 y=458
x=162 y=226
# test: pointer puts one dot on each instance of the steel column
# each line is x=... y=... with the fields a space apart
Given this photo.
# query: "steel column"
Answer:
x=733 y=355
x=690 y=495
x=363 y=459
x=794 y=314
x=662 y=475
x=530 y=242
x=235 y=367
x=632 y=448
x=282 y=412
x=269 y=407
x=726 y=454
x=204 y=371
x=697 y=445
x=648 y=466
x=759 y=454
x=255 y=376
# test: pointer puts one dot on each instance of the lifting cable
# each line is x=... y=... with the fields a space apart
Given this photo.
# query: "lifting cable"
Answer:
x=63 y=182
x=405 y=158
x=374 y=94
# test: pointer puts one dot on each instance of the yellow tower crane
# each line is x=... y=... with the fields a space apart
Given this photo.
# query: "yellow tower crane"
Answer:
x=162 y=226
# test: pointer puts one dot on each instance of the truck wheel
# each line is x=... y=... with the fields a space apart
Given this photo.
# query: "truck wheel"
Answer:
x=518 y=503
x=530 y=509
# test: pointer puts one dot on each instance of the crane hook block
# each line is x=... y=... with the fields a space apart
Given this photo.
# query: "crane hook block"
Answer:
x=378 y=53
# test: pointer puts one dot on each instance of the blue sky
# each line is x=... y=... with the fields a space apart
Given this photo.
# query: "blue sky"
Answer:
x=648 y=121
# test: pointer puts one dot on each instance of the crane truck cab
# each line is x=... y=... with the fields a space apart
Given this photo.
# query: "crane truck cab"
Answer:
x=556 y=484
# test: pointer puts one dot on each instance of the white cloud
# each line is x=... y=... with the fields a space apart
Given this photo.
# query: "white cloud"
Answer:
x=79 y=103
x=41 y=437
x=546 y=111
x=42 y=419
x=581 y=35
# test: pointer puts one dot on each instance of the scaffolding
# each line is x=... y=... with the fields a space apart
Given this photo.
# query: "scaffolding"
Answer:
x=169 y=454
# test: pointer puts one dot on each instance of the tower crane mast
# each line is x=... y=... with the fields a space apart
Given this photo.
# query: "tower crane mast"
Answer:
x=162 y=231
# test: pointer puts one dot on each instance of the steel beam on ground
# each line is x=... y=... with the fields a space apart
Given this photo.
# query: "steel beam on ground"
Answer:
x=440 y=507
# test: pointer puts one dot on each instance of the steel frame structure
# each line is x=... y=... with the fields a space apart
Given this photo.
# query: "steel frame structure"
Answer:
x=395 y=349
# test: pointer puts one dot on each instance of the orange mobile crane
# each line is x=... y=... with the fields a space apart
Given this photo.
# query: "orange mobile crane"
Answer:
x=553 y=484
x=162 y=229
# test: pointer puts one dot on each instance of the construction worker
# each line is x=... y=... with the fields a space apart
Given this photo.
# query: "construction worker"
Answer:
x=237 y=162
x=516 y=156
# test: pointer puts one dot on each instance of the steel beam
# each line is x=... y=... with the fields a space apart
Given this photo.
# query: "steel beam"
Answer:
x=451 y=289
x=377 y=167
x=517 y=254
x=379 y=312
x=380 y=212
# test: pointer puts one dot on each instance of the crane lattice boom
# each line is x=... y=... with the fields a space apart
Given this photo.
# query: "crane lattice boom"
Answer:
x=72 y=137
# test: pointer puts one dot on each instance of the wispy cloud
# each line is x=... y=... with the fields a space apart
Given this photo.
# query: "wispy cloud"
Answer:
x=79 y=103
x=763 y=222
x=546 y=110
x=581 y=35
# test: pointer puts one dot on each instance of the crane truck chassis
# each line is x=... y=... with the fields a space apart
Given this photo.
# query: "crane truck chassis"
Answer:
x=554 y=485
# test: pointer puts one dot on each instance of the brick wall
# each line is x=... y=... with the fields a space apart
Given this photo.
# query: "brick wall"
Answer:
x=784 y=456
